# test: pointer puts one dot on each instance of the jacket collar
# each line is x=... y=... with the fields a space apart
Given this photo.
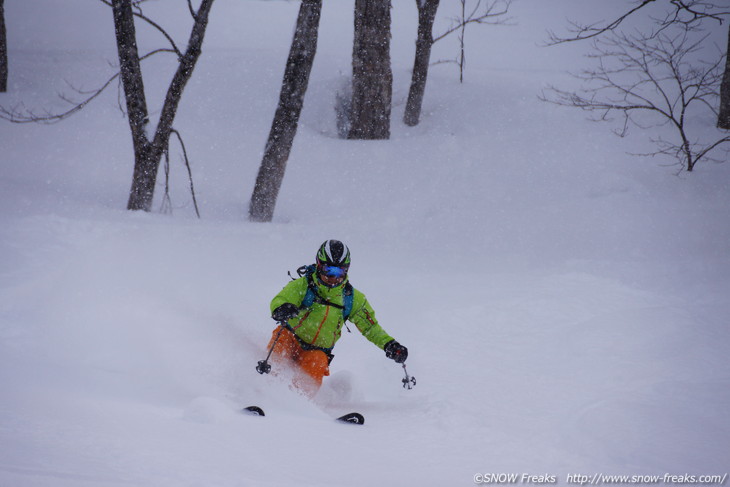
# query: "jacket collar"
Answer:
x=325 y=290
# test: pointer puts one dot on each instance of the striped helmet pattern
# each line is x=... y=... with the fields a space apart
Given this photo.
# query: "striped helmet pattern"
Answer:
x=333 y=252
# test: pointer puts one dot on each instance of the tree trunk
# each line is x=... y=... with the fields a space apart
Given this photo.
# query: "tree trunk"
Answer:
x=145 y=169
x=148 y=153
x=177 y=85
x=372 y=78
x=723 y=120
x=426 y=16
x=286 y=119
x=3 y=51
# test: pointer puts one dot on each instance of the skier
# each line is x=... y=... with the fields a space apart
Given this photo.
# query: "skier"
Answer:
x=311 y=312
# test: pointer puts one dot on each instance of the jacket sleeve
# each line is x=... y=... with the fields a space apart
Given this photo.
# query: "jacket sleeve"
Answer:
x=363 y=316
x=292 y=293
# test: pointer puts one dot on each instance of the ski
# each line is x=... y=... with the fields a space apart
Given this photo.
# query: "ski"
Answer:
x=352 y=418
x=254 y=411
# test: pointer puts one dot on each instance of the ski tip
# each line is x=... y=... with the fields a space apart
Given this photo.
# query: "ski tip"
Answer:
x=352 y=418
x=254 y=411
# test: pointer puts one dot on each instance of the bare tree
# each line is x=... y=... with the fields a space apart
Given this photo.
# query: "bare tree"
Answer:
x=481 y=13
x=3 y=51
x=372 y=77
x=490 y=12
x=426 y=16
x=286 y=119
x=651 y=81
x=150 y=141
x=148 y=148
x=689 y=13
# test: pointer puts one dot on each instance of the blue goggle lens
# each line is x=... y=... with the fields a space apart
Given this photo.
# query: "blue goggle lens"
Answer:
x=333 y=271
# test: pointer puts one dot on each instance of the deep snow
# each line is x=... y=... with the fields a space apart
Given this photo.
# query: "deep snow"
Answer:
x=565 y=304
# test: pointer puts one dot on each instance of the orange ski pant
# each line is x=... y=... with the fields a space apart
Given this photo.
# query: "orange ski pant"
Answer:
x=310 y=366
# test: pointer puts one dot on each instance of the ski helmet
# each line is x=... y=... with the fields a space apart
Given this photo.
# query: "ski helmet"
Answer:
x=333 y=253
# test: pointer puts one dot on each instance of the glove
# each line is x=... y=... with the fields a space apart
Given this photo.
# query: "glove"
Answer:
x=285 y=312
x=396 y=351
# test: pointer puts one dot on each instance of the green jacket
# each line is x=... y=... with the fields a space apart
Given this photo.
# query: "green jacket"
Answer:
x=321 y=325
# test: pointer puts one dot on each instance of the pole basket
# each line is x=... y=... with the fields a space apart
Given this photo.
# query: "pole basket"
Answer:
x=409 y=382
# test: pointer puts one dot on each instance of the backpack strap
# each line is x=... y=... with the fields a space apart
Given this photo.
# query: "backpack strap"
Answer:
x=348 y=296
x=309 y=297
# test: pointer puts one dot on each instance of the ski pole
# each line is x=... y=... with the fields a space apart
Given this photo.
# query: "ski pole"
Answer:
x=409 y=382
x=263 y=366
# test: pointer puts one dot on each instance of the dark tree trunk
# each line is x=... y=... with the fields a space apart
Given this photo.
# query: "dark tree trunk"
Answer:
x=177 y=85
x=426 y=16
x=286 y=119
x=3 y=51
x=145 y=169
x=723 y=120
x=372 y=78
x=148 y=153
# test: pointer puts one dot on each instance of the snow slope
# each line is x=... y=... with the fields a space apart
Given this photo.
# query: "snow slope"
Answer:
x=565 y=304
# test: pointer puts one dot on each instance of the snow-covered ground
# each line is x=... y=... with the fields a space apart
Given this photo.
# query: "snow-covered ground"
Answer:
x=565 y=305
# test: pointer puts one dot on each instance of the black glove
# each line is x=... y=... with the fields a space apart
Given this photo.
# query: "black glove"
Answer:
x=396 y=351
x=285 y=312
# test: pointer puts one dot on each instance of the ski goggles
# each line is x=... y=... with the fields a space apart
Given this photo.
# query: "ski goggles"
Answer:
x=332 y=271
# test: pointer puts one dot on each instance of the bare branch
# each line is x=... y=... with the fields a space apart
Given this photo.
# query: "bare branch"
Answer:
x=687 y=12
x=655 y=75
x=582 y=32
x=491 y=15
x=697 y=10
x=154 y=24
x=21 y=114
x=190 y=172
